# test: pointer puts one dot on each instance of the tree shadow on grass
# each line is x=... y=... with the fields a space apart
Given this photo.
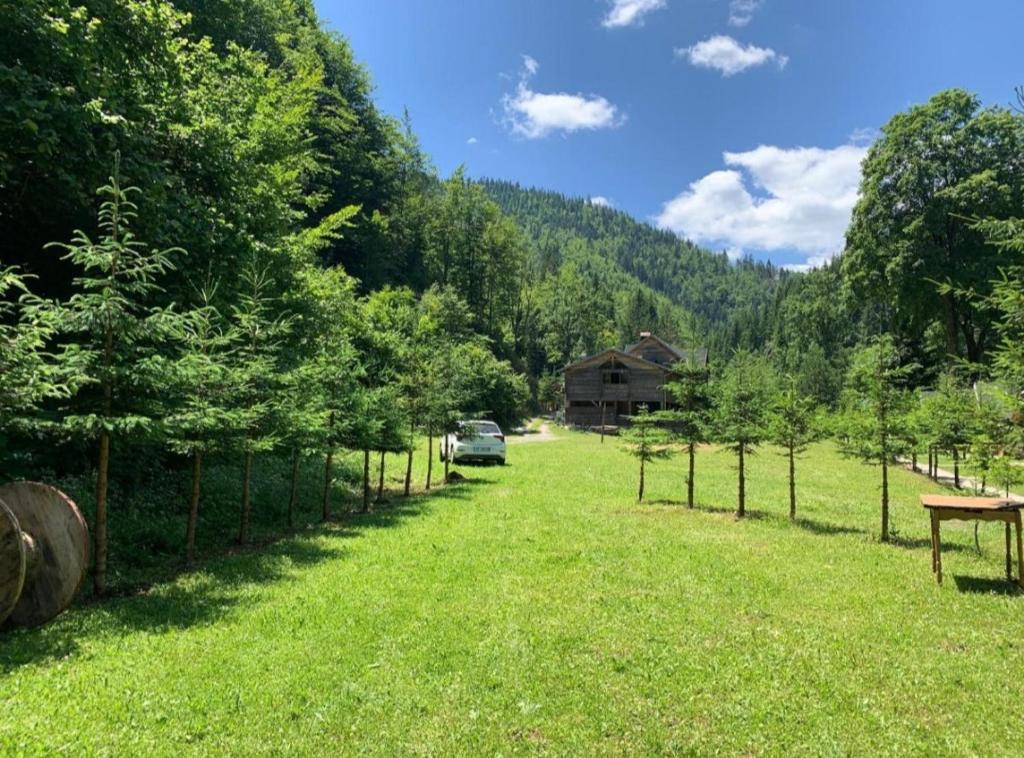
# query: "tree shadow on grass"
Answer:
x=827 y=529
x=986 y=586
x=703 y=508
x=920 y=543
x=213 y=590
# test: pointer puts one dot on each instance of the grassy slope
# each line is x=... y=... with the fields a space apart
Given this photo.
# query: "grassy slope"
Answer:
x=537 y=606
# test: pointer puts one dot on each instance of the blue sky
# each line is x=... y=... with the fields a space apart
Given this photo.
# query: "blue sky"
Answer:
x=737 y=123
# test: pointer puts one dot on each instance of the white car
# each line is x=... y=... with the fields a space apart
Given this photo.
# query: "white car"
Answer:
x=475 y=441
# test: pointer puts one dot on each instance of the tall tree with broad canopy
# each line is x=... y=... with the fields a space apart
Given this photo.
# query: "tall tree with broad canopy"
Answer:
x=743 y=401
x=875 y=411
x=936 y=166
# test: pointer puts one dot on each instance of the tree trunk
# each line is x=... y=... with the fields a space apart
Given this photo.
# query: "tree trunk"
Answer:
x=913 y=461
x=430 y=456
x=325 y=509
x=956 y=467
x=99 y=577
x=380 y=481
x=408 y=463
x=193 y=508
x=243 y=527
x=293 y=490
x=366 y=481
x=741 y=510
x=689 y=477
x=447 y=460
x=640 y=494
x=602 y=421
x=792 y=484
x=951 y=327
x=885 y=500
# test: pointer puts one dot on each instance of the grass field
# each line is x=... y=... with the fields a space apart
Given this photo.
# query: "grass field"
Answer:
x=537 y=608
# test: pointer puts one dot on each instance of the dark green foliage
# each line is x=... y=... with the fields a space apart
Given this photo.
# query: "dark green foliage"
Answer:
x=936 y=166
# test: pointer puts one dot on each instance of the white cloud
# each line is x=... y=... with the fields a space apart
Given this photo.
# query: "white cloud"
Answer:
x=772 y=198
x=601 y=201
x=472 y=141
x=741 y=12
x=864 y=135
x=813 y=262
x=629 y=12
x=534 y=115
x=725 y=54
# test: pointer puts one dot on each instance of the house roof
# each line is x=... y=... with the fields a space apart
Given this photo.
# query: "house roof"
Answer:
x=619 y=355
x=628 y=356
x=698 y=355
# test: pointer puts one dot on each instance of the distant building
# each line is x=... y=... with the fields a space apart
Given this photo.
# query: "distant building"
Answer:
x=608 y=387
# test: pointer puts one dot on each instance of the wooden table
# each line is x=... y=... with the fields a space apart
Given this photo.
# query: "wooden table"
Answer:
x=948 y=508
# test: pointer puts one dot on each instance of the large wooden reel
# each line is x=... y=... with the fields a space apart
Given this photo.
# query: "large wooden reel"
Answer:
x=44 y=552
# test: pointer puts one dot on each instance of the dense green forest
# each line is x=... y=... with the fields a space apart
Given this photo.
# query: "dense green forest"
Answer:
x=228 y=281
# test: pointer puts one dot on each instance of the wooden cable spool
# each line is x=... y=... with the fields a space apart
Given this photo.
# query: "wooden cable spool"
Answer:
x=44 y=552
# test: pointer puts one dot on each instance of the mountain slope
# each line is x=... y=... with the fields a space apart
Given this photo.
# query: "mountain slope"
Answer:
x=729 y=302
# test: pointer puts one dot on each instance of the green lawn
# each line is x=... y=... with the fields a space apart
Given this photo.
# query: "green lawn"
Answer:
x=537 y=608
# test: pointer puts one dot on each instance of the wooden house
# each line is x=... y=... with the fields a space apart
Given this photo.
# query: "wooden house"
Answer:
x=606 y=388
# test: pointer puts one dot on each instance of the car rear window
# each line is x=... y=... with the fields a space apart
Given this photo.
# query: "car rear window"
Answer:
x=485 y=428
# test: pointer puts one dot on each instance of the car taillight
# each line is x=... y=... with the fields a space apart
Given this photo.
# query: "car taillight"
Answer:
x=500 y=437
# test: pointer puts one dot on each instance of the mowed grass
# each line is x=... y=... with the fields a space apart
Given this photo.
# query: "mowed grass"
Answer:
x=536 y=608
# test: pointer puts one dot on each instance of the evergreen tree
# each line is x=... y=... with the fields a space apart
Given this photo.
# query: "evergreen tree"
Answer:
x=262 y=328
x=793 y=428
x=647 y=441
x=202 y=416
x=113 y=324
x=31 y=374
x=875 y=411
x=690 y=419
x=743 y=400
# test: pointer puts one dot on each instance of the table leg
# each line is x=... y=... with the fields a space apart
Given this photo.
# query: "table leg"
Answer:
x=931 y=533
x=938 y=549
x=1009 y=563
x=1020 y=555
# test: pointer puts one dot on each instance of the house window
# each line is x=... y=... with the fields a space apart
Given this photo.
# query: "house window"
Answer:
x=616 y=377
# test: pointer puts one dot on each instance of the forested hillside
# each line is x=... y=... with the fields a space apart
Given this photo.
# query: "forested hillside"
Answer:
x=808 y=323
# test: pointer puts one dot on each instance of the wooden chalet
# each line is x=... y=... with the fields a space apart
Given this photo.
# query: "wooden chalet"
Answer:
x=606 y=388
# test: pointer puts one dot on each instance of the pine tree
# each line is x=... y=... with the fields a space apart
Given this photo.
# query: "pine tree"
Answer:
x=647 y=441
x=875 y=411
x=743 y=401
x=690 y=419
x=793 y=428
x=262 y=326
x=31 y=374
x=113 y=324
x=203 y=416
